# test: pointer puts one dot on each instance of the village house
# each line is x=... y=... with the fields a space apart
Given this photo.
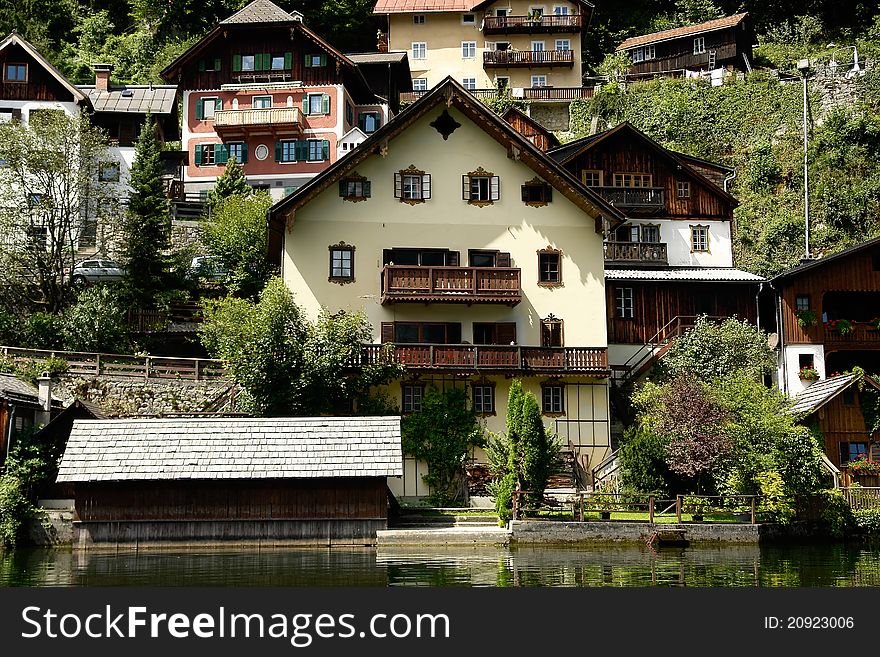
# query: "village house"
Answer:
x=672 y=258
x=828 y=316
x=531 y=48
x=712 y=48
x=263 y=88
x=23 y=407
x=473 y=253
x=31 y=84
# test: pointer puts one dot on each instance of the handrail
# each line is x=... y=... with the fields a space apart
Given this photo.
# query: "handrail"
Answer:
x=533 y=22
x=612 y=459
x=580 y=472
x=527 y=57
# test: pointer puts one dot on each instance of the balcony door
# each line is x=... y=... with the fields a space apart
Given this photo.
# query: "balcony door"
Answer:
x=495 y=333
x=420 y=257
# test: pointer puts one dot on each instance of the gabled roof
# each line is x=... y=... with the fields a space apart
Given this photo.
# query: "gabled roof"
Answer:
x=427 y=6
x=259 y=11
x=513 y=112
x=11 y=387
x=678 y=32
x=451 y=94
x=571 y=150
x=354 y=131
x=714 y=274
x=809 y=265
x=818 y=394
x=232 y=448
x=132 y=99
x=17 y=39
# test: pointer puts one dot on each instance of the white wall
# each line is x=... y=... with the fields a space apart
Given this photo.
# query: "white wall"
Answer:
x=789 y=373
x=676 y=233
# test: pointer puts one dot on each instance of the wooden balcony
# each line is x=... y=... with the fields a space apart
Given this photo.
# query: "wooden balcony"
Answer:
x=491 y=358
x=863 y=334
x=414 y=284
x=557 y=93
x=649 y=253
x=546 y=24
x=527 y=58
x=650 y=199
x=270 y=120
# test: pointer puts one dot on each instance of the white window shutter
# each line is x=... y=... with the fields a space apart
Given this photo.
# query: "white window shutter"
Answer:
x=398 y=186
x=494 y=188
x=426 y=186
x=466 y=188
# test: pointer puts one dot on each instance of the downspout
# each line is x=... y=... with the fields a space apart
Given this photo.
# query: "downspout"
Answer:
x=758 y=304
x=780 y=328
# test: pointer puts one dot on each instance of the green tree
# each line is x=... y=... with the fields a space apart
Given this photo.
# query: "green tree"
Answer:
x=235 y=232
x=147 y=221
x=442 y=433
x=232 y=183
x=96 y=322
x=286 y=365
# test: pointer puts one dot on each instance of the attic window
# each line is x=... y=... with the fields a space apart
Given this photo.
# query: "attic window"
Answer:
x=354 y=188
x=480 y=187
x=536 y=193
x=15 y=72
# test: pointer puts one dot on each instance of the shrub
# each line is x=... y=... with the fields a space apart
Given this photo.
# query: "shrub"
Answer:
x=868 y=520
x=775 y=503
x=43 y=331
x=837 y=515
x=96 y=322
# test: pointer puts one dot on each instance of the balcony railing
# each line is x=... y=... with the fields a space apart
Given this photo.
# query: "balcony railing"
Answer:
x=514 y=58
x=635 y=198
x=646 y=252
x=861 y=332
x=524 y=93
x=414 y=284
x=249 y=118
x=499 y=358
x=532 y=24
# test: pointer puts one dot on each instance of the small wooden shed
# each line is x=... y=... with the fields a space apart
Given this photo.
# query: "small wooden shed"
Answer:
x=242 y=480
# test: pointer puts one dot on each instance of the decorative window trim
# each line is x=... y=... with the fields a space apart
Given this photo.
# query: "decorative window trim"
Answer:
x=549 y=250
x=425 y=179
x=354 y=178
x=493 y=187
x=553 y=384
x=341 y=246
x=537 y=183
x=682 y=189
x=642 y=228
x=549 y=322
x=483 y=384
x=693 y=242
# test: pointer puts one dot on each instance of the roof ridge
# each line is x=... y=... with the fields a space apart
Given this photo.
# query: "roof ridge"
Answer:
x=683 y=30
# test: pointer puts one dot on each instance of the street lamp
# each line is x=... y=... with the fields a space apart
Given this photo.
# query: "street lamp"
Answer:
x=803 y=67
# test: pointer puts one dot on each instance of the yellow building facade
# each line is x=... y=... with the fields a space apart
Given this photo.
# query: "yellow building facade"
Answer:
x=474 y=254
x=509 y=43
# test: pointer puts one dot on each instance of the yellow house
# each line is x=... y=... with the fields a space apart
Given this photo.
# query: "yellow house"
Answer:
x=474 y=253
x=532 y=48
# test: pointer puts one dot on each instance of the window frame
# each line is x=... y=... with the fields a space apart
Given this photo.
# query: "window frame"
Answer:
x=565 y=41
x=422 y=84
x=414 y=405
x=472 y=21
x=481 y=410
x=469 y=83
x=695 y=229
x=798 y=305
x=625 y=176
x=539 y=75
x=6 y=68
x=419 y=19
x=422 y=48
x=849 y=452
x=375 y=115
x=468 y=49
x=699 y=45
x=355 y=179
x=474 y=195
x=254 y=100
x=556 y=406
x=546 y=192
x=624 y=302
x=423 y=186
x=213 y=102
x=590 y=172
x=341 y=248
x=542 y=254
x=682 y=189
x=552 y=331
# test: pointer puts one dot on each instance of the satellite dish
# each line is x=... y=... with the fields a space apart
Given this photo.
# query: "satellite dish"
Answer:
x=773 y=340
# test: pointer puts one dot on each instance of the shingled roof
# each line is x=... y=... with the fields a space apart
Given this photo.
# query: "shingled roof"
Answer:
x=232 y=448
x=259 y=11
x=137 y=99
x=687 y=30
x=13 y=387
x=714 y=274
x=407 y=6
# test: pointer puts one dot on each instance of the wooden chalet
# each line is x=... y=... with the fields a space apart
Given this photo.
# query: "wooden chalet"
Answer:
x=835 y=406
x=672 y=258
x=531 y=129
x=252 y=480
x=829 y=314
x=28 y=77
x=723 y=43
x=23 y=407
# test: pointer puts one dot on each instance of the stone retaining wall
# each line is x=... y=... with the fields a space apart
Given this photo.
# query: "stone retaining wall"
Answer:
x=541 y=531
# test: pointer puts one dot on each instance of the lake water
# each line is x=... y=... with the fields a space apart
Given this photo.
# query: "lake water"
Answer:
x=813 y=565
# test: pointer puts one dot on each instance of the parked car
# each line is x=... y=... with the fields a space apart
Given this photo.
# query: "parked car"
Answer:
x=207 y=269
x=96 y=271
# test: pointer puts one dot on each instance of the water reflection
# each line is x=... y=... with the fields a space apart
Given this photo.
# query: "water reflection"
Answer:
x=816 y=565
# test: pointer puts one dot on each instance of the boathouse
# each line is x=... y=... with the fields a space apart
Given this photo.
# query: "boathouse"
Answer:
x=245 y=480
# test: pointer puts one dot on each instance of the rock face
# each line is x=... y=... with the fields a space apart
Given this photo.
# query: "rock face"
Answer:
x=126 y=396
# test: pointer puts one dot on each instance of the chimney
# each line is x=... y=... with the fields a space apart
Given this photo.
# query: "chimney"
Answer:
x=44 y=394
x=102 y=76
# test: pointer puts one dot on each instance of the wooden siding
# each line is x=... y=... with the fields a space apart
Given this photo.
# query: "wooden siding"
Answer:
x=289 y=499
x=253 y=40
x=40 y=85
x=855 y=273
x=619 y=154
x=655 y=304
x=676 y=54
x=841 y=423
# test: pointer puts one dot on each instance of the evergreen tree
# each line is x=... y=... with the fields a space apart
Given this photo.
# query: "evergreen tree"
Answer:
x=147 y=222
x=231 y=183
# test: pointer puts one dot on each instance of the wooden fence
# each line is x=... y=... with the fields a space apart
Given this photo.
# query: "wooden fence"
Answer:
x=145 y=367
x=862 y=497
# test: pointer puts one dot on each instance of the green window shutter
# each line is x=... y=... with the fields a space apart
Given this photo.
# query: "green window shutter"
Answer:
x=222 y=153
x=325 y=149
x=288 y=61
x=267 y=61
x=198 y=155
x=217 y=64
x=200 y=109
x=324 y=60
x=218 y=105
x=236 y=62
x=325 y=103
x=258 y=62
x=308 y=61
x=277 y=151
x=343 y=188
x=305 y=105
x=201 y=65
x=302 y=151
x=367 y=188
x=244 y=153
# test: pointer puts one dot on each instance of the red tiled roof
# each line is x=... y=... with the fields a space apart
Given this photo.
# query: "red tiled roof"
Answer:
x=407 y=6
x=666 y=35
